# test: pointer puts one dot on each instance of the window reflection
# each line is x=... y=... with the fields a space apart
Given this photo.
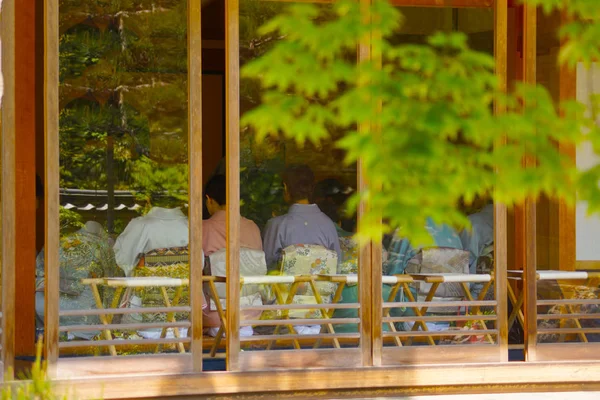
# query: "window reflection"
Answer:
x=567 y=256
x=442 y=294
x=296 y=195
x=123 y=179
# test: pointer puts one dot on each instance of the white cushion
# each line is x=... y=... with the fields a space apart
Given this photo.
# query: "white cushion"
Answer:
x=252 y=263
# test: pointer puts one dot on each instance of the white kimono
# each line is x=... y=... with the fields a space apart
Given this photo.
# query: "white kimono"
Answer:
x=160 y=228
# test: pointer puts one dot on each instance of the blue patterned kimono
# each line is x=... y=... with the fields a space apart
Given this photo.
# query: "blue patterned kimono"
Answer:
x=401 y=251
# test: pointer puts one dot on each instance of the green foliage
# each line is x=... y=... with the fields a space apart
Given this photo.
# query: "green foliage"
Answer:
x=428 y=135
x=160 y=185
x=35 y=385
x=123 y=94
x=69 y=220
x=261 y=192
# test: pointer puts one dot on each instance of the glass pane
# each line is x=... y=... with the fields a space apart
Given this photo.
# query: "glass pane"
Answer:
x=568 y=305
x=420 y=306
x=295 y=196
x=123 y=178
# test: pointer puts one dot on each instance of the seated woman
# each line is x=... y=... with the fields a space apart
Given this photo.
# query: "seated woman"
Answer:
x=160 y=228
x=481 y=234
x=401 y=251
x=214 y=243
x=479 y=241
x=348 y=265
x=304 y=222
x=83 y=254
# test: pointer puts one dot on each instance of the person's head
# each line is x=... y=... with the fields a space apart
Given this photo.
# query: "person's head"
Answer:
x=215 y=192
x=331 y=210
x=39 y=192
x=331 y=189
x=298 y=183
x=94 y=228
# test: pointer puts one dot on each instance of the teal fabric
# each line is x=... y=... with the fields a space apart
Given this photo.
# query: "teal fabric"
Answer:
x=341 y=232
x=480 y=236
x=350 y=295
x=401 y=251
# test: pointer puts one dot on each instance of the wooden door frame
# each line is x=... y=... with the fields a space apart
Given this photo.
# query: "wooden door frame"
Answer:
x=236 y=360
x=498 y=352
x=370 y=255
x=530 y=218
x=8 y=198
x=67 y=367
x=232 y=159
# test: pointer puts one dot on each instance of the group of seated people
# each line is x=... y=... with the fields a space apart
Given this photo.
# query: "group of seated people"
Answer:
x=313 y=219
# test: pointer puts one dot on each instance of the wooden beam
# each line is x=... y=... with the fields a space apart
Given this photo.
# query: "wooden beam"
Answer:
x=8 y=188
x=412 y=3
x=51 y=197
x=529 y=76
x=25 y=124
x=443 y=3
x=370 y=254
x=375 y=264
x=232 y=54
x=519 y=210
x=195 y=176
x=500 y=212
x=420 y=3
x=567 y=250
x=415 y=3
x=512 y=49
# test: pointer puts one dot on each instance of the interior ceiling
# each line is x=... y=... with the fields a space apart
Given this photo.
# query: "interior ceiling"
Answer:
x=425 y=21
x=417 y=20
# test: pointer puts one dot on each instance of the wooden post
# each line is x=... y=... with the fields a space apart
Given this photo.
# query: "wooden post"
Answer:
x=8 y=188
x=370 y=254
x=500 y=214
x=567 y=250
x=232 y=54
x=519 y=238
x=51 y=197
x=25 y=214
x=195 y=176
x=530 y=286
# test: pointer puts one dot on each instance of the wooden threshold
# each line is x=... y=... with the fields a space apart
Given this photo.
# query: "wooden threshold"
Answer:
x=479 y=377
x=90 y=367
x=295 y=359
x=567 y=351
x=452 y=354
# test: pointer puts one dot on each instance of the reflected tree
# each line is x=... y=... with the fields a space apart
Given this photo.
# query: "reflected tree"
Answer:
x=123 y=95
